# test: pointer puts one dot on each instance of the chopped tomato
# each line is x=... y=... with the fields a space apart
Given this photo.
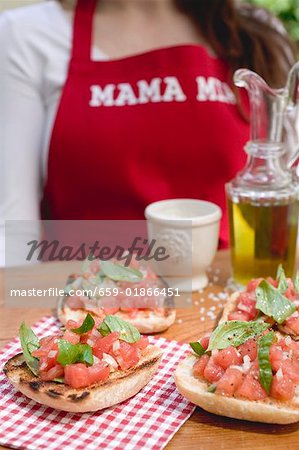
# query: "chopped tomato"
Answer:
x=104 y=344
x=293 y=323
x=71 y=337
x=213 y=372
x=205 y=342
x=79 y=376
x=239 y=315
x=227 y=357
x=51 y=374
x=251 y=389
x=108 y=311
x=200 y=365
x=73 y=324
x=246 y=304
x=142 y=343
x=276 y=357
x=127 y=355
x=291 y=370
x=230 y=382
x=282 y=389
x=272 y=281
x=98 y=372
x=248 y=348
x=76 y=375
x=253 y=284
x=46 y=345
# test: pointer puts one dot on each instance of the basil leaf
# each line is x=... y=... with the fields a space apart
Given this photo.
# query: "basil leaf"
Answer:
x=282 y=280
x=86 y=326
x=197 y=348
x=212 y=388
x=116 y=272
x=29 y=343
x=128 y=333
x=272 y=303
x=234 y=333
x=264 y=345
x=296 y=282
x=59 y=380
x=74 y=353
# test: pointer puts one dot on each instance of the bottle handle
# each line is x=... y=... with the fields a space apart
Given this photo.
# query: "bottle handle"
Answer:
x=292 y=111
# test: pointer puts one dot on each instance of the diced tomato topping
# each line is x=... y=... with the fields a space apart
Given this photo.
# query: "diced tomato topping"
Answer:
x=94 y=266
x=46 y=345
x=142 y=343
x=51 y=374
x=75 y=302
x=248 y=348
x=108 y=311
x=272 y=281
x=246 y=304
x=71 y=337
x=251 y=389
x=200 y=365
x=76 y=375
x=282 y=389
x=73 y=324
x=230 y=382
x=293 y=324
x=213 y=372
x=227 y=357
x=104 y=344
x=291 y=370
x=276 y=357
x=98 y=372
x=127 y=355
x=205 y=342
x=239 y=315
x=253 y=284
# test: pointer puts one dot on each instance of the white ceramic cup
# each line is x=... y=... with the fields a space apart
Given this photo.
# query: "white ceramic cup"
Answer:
x=188 y=230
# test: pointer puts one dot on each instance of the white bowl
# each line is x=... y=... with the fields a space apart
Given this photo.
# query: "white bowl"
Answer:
x=188 y=230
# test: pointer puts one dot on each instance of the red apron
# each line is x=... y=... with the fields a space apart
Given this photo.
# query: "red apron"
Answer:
x=128 y=132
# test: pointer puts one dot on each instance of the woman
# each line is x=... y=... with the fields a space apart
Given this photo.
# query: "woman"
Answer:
x=97 y=133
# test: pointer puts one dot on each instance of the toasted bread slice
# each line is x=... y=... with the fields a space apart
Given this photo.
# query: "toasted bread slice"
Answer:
x=146 y=322
x=266 y=411
x=120 y=385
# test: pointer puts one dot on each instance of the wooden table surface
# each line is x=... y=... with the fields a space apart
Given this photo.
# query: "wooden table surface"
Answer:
x=203 y=431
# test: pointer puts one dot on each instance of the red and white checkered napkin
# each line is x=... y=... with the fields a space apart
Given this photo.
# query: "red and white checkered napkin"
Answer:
x=148 y=420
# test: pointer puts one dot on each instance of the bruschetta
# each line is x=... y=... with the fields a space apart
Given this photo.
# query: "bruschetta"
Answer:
x=90 y=366
x=248 y=368
x=135 y=294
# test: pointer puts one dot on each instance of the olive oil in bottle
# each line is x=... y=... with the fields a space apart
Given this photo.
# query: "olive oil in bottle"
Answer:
x=263 y=197
x=261 y=238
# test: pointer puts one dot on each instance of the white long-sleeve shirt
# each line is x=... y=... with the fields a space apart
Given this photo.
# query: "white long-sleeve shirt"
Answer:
x=34 y=56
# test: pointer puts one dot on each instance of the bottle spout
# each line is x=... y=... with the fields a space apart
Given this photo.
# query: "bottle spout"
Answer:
x=267 y=106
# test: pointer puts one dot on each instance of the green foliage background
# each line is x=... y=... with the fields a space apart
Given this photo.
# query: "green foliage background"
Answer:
x=286 y=10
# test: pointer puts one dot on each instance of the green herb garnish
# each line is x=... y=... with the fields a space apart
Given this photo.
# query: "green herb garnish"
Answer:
x=272 y=303
x=74 y=353
x=128 y=332
x=264 y=345
x=282 y=280
x=116 y=272
x=197 y=348
x=212 y=388
x=86 y=326
x=29 y=343
x=235 y=333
